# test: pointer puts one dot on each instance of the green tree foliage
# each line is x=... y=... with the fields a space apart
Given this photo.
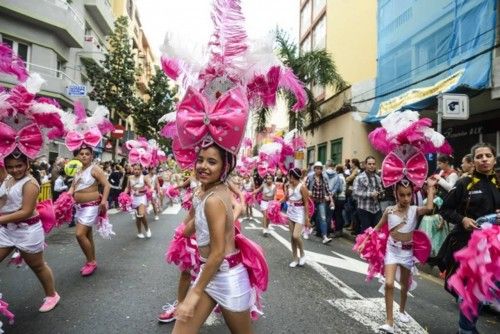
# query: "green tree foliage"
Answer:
x=161 y=101
x=114 y=80
x=314 y=67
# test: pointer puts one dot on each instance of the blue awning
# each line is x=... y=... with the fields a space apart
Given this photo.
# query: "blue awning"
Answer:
x=430 y=47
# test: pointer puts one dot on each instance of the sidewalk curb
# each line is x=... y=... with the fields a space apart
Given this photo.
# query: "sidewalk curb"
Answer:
x=433 y=271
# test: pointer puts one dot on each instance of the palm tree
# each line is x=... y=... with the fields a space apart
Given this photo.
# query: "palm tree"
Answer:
x=313 y=67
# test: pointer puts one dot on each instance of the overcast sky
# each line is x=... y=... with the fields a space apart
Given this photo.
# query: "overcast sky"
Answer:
x=190 y=19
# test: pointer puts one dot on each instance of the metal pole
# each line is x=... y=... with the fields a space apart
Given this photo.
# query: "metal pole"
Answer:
x=439 y=120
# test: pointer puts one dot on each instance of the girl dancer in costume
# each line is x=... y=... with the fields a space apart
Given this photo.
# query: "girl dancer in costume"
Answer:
x=402 y=220
x=297 y=197
x=84 y=134
x=248 y=188
x=222 y=266
x=405 y=139
x=22 y=118
x=138 y=185
x=89 y=204
x=20 y=225
x=268 y=189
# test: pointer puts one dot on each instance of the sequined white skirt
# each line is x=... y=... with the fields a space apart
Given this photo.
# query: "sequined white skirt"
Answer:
x=138 y=200
x=230 y=288
x=87 y=215
x=296 y=214
x=27 y=238
x=396 y=255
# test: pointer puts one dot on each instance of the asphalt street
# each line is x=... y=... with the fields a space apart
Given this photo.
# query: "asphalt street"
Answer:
x=328 y=295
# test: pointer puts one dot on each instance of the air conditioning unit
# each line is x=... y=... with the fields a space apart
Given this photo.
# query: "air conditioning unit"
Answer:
x=89 y=38
x=454 y=106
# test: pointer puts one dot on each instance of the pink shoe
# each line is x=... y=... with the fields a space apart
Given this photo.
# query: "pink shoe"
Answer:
x=88 y=269
x=49 y=303
x=168 y=314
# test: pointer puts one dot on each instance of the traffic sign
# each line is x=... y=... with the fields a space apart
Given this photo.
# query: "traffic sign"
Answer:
x=118 y=132
x=77 y=90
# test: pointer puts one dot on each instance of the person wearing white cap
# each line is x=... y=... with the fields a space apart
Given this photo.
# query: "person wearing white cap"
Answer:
x=317 y=184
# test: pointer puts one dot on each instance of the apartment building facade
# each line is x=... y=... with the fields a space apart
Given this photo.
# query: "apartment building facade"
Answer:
x=348 y=32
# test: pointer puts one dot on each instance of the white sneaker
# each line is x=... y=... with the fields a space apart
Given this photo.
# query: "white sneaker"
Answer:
x=403 y=317
x=157 y=218
x=265 y=231
x=386 y=328
x=326 y=240
x=302 y=260
x=140 y=235
x=148 y=233
x=293 y=264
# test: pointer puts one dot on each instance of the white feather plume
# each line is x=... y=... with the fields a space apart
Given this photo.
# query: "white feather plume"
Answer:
x=396 y=122
x=98 y=116
x=271 y=148
x=168 y=117
x=34 y=83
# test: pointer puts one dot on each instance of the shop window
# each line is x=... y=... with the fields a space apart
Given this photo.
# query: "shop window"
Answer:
x=322 y=153
x=19 y=48
x=336 y=151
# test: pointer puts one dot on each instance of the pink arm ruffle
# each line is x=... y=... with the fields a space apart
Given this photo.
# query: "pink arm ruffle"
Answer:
x=183 y=251
x=249 y=198
x=172 y=192
x=63 y=208
x=275 y=215
x=478 y=276
x=125 y=201
x=373 y=251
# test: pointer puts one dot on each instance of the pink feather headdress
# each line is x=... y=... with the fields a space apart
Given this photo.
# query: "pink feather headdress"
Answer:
x=140 y=152
x=219 y=94
x=405 y=138
x=83 y=130
x=280 y=153
x=26 y=122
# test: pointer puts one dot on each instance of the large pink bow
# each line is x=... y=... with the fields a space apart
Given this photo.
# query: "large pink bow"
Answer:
x=28 y=140
x=394 y=169
x=140 y=155
x=74 y=140
x=223 y=122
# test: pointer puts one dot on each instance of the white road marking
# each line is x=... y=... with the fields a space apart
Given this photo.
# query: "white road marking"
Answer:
x=364 y=311
x=172 y=210
x=373 y=314
x=113 y=211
